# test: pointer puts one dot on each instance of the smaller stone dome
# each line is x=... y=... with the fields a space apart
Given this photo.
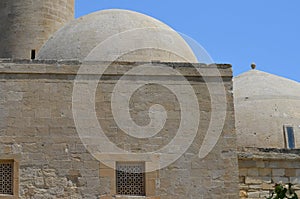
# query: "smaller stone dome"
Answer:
x=264 y=104
x=78 y=38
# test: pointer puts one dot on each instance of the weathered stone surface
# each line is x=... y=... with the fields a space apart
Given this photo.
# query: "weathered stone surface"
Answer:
x=26 y=25
x=54 y=163
x=277 y=103
x=280 y=166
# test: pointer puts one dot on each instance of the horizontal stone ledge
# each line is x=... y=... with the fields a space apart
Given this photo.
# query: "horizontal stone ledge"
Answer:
x=57 y=76
x=78 y=62
x=71 y=68
x=249 y=153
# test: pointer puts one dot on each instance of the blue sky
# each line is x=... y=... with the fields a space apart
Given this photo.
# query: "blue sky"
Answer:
x=237 y=32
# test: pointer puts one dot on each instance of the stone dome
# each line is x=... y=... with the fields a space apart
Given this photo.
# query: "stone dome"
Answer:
x=264 y=104
x=78 y=38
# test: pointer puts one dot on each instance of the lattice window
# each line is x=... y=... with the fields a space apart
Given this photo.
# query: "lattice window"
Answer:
x=130 y=178
x=6 y=177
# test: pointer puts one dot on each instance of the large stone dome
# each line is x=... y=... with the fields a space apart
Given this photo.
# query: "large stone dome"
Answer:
x=264 y=105
x=78 y=38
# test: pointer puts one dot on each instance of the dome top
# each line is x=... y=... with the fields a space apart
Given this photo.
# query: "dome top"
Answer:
x=257 y=83
x=78 y=38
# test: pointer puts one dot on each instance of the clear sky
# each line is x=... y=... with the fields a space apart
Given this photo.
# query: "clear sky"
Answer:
x=238 y=32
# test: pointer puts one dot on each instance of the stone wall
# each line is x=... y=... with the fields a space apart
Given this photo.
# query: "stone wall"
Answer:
x=37 y=129
x=25 y=25
x=260 y=169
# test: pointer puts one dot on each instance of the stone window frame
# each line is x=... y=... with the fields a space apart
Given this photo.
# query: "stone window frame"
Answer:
x=143 y=173
x=152 y=182
x=286 y=137
x=16 y=166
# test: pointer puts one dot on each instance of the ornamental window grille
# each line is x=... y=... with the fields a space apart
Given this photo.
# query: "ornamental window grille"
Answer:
x=130 y=178
x=6 y=177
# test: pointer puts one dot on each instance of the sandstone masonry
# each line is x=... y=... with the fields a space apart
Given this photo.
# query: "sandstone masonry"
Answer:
x=37 y=131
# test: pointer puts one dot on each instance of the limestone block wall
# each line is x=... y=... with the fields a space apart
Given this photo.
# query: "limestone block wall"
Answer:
x=37 y=130
x=260 y=169
x=25 y=25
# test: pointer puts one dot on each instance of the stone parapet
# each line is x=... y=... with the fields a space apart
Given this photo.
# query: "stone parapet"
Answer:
x=261 y=168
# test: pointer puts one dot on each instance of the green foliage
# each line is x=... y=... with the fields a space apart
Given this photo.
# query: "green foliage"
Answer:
x=283 y=192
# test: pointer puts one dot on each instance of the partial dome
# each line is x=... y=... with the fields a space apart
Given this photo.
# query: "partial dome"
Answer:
x=264 y=104
x=158 y=42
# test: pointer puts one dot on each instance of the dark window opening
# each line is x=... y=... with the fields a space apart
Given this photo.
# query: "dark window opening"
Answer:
x=289 y=137
x=6 y=177
x=130 y=178
x=32 y=54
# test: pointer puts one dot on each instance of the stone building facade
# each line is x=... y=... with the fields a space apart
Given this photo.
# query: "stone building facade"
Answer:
x=267 y=124
x=39 y=136
x=44 y=154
